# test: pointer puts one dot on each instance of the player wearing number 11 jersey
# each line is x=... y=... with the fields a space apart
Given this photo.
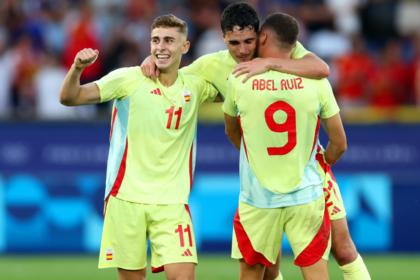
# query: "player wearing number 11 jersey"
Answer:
x=151 y=158
x=281 y=189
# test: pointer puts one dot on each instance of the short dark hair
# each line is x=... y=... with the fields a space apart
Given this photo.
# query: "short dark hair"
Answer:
x=284 y=26
x=239 y=14
x=170 y=20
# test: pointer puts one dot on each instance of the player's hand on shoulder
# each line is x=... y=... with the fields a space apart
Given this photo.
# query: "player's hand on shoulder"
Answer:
x=149 y=69
x=252 y=67
x=85 y=58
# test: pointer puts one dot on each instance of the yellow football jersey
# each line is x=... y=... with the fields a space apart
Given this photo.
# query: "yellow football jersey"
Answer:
x=152 y=150
x=216 y=68
x=280 y=117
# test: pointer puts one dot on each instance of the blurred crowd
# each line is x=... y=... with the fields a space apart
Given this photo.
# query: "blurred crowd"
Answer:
x=372 y=46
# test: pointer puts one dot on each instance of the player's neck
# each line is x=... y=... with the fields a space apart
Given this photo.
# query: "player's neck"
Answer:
x=273 y=51
x=168 y=78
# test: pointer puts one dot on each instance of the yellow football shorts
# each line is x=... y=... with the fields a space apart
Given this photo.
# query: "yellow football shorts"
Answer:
x=332 y=194
x=258 y=233
x=128 y=225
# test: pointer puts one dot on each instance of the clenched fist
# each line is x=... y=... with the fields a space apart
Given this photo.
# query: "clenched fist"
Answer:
x=85 y=58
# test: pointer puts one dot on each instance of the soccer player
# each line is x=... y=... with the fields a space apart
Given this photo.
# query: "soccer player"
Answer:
x=240 y=25
x=152 y=155
x=281 y=189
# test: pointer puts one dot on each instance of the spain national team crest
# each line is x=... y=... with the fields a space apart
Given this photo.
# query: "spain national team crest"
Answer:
x=109 y=254
x=187 y=96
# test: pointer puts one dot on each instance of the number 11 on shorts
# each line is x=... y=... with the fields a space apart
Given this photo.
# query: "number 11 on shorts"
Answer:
x=181 y=235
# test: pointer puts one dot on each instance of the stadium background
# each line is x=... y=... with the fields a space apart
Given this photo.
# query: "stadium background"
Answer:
x=53 y=158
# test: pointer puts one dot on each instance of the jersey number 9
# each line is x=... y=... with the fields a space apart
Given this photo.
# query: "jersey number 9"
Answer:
x=289 y=126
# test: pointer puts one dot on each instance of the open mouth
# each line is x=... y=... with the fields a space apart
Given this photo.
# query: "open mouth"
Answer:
x=163 y=57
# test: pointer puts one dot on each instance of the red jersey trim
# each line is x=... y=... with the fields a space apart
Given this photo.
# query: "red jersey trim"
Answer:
x=158 y=269
x=316 y=249
x=188 y=210
x=121 y=173
x=316 y=135
x=251 y=256
x=324 y=165
x=191 y=166
x=106 y=205
x=112 y=124
x=243 y=138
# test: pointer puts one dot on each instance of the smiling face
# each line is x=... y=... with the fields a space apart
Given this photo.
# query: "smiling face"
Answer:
x=167 y=47
x=242 y=44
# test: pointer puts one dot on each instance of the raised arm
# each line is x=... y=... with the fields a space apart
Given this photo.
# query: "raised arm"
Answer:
x=338 y=142
x=310 y=66
x=71 y=93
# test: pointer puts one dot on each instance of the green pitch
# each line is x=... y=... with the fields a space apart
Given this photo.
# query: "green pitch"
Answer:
x=220 y=267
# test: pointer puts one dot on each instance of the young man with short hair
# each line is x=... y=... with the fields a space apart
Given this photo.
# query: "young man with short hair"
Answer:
x=273 y=119
x=152 y=155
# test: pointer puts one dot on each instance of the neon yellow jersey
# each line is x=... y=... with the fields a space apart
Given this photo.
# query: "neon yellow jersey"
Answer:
x=280 y=117
x=215 y=68
x=152 y=151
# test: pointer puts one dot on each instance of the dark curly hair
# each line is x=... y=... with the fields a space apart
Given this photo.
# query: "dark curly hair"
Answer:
x=284 y=26
x=239 y=14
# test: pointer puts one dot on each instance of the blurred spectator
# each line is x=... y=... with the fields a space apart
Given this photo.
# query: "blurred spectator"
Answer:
x=391 y=83
x=7 y=68
x=379 y=22
x=355 y=70
x=382 y=69
x=26 y=60
x=54 y=32
x=207 y=18
x=346 y=19
x=47 y=86
x=316 y=15
x=408 y=19
x=416 y=70
x=328 y=44
x=82 y=33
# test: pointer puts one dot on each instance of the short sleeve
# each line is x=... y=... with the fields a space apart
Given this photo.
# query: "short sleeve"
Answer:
x=209 y=93
x=329 y=106
x=203 y=67
x=120 y=84
x=299 y=51
x=229 y=106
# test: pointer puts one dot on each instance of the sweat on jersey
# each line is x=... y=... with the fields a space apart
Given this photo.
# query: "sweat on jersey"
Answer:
x=153 y=133
x=216 y=68
x=280 y=117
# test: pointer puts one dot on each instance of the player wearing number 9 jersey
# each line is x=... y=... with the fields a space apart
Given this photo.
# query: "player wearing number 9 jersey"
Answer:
x=279 y=116
x=151 y=158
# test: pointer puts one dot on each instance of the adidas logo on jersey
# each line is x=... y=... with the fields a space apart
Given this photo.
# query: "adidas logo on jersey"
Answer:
x=187 y=253
x=335 y=210
x=156 y=91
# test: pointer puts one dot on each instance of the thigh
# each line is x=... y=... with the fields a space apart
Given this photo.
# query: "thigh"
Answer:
x=317 y=271
x=171 y=235
x=124 y=237
x=131 y=274
x=333 y=199
x=257 y=234
x=180 y=271
x=272 y=272
x=343 y=248
x=251 y=272
x=308 y=230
